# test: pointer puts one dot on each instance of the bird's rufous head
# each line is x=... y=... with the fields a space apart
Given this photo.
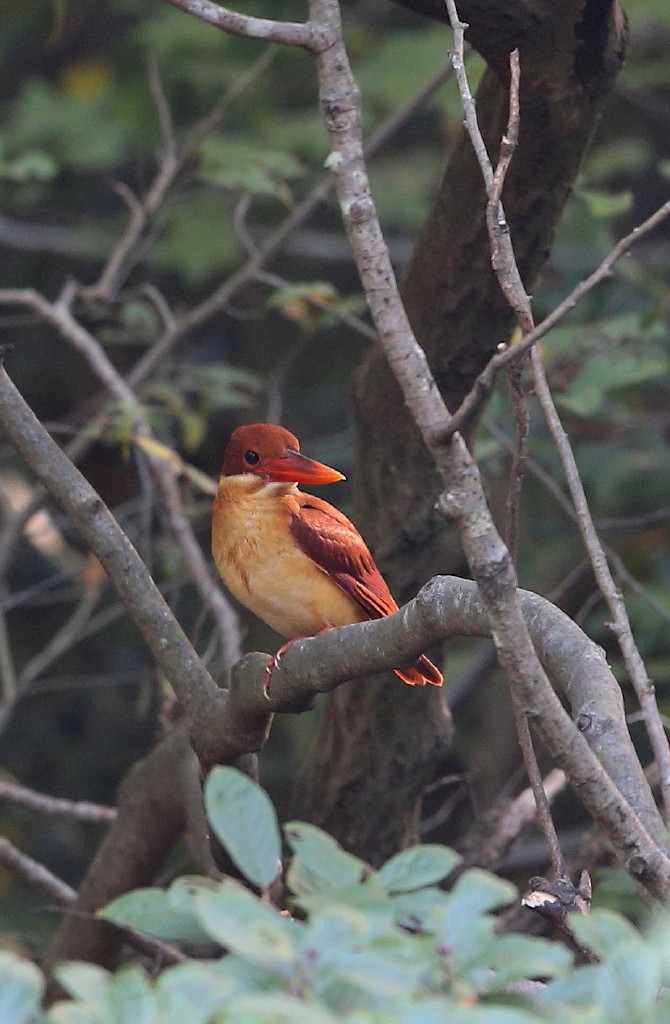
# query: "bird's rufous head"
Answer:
x=273 y=452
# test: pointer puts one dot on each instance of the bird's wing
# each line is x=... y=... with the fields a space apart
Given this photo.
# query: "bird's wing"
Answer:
x=335 y=545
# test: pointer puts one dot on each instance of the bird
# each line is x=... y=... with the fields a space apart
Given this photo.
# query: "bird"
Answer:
x=289 y=557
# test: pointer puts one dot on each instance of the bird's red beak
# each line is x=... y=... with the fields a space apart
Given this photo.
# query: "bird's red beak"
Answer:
x=296 y=468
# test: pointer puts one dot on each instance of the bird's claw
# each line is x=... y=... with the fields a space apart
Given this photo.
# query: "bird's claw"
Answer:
x=272 y=664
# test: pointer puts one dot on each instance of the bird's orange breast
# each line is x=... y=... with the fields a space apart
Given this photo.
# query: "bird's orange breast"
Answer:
x=263 y=567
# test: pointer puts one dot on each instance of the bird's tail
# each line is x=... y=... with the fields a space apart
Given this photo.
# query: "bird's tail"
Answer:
x=423 y=672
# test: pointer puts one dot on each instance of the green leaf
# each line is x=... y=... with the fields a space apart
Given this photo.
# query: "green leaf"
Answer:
x=378 y=974
x=130 y=997
x=607 y=371
x=606 y=204
x=335 y=929
x=183 y=891
x=82 y=980
x=240 y=921
x=82 y=134
x=623 y=156
x=69 y=1012
x=152 y=911
x=413 y=909
x=577 y=987
x=243 y=818
x=477 y=892
x=627 y=985
x=277 y=1008
x=465 y=931
x=33 y=164
x=21 y=987
x=191 y=993
x=236 y=164
x=515 y=957
x=319 y=863
x=417 y=867
x=603 y=931
x=188 y=244
x=218 y=385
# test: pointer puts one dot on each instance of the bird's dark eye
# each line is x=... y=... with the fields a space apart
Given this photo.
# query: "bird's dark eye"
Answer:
x=252 y=458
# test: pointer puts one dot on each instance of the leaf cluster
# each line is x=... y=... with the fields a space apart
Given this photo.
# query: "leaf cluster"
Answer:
x=353 y=945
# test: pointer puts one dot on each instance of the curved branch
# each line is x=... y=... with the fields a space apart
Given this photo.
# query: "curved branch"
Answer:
x=226 y=724
x=81 y=810
x=306 y=35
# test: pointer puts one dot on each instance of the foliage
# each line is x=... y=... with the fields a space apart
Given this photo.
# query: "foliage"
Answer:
x=355 y=945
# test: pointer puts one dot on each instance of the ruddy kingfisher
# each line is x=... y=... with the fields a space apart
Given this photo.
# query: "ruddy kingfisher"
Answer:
x=294 y=560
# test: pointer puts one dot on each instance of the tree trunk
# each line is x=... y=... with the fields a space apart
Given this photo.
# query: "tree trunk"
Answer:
x=379 y=743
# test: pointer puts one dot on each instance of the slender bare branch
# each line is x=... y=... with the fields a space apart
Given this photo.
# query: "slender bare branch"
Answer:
x=519 y=458
x=222 y=296
x=507 y=272
x=29 y=869
x=620 y=625
x=82 y=810
x=64 y=638
x=163 y=635
x=309 y=36
x=60 y=316
x=491 y=838
x=510 y=354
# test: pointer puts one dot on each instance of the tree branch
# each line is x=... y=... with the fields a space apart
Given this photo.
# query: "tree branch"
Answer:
x=226 y=724
x=59 y=315
x=309 y=36
x=510 y=354
x=82 y=810
x=463 y=500
x=162 y=632
x=29 y=869
x=507 y=273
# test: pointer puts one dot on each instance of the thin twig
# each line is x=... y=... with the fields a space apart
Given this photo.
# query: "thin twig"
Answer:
x=620 y=626
x=82 y=810
x=510 y=354
x=620 y=569
x=21 y=864
x=163 y=110
x=222 y=296
x=505 y=268
x=519 y=458
x=507 y=273
x=171 y=162
x=487 y=851
x=639 y=521
x=66 y=636
x=59 y=315
x=8 y=683
x=497 y=225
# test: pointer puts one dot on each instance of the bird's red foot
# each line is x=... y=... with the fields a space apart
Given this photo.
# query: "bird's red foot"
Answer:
x=274 y=661
x=272 y=664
